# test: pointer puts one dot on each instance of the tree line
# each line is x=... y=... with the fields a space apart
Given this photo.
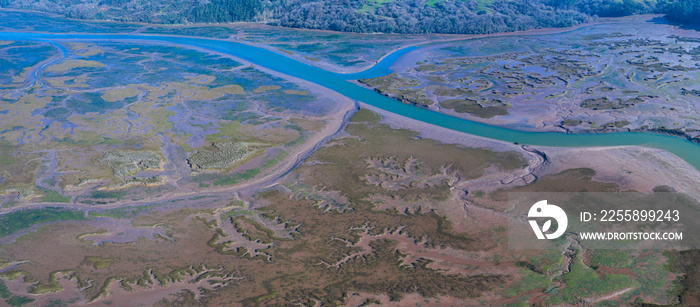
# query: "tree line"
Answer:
x=394 y=16
x=417 y=16
x=686 y=11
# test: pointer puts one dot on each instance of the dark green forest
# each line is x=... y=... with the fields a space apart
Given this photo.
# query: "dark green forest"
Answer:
x=395 y=16
x=685 y=11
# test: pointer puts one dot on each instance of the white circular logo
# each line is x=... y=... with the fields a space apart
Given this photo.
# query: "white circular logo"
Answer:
x=542 y=209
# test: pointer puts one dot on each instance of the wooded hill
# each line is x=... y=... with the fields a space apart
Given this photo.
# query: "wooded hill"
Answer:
x=396 y=16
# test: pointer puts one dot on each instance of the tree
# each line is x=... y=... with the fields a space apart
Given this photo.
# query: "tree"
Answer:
x=682 y=10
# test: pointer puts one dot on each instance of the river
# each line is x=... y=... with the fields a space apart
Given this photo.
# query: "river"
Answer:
x=681 y=147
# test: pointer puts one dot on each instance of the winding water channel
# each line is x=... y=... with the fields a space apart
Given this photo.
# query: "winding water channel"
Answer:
x=686 y=150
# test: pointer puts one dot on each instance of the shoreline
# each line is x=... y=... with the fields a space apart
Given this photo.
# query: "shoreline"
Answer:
x=434 y=116
x=552 y=128
x=326 y=66
x=632 y=167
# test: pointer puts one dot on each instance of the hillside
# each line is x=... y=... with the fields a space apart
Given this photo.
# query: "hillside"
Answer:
x=686 y=11
x=366 y=16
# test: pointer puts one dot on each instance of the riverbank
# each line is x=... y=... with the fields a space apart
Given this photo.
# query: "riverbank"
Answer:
x=635 y=168
x=273 y=61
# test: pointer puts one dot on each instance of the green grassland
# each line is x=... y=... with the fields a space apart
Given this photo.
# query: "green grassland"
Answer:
x=584 y=282
x=18 y=220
